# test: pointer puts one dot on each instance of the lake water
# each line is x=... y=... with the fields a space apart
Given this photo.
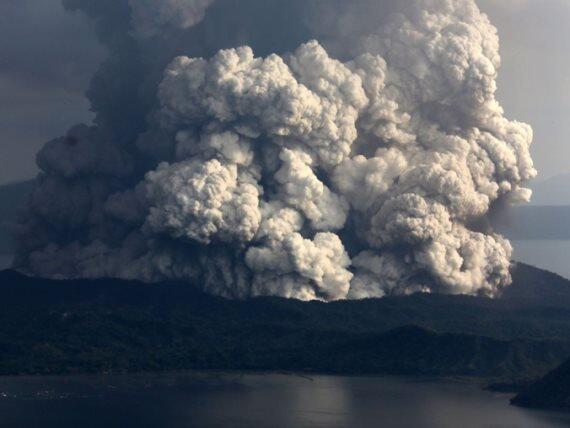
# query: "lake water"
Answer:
x=257 y=401
x=552 y=255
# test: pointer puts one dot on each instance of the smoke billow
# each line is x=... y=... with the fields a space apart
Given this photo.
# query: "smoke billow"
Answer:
x=313 y=149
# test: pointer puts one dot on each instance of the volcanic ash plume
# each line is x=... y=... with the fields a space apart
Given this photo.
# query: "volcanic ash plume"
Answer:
x=312 y=149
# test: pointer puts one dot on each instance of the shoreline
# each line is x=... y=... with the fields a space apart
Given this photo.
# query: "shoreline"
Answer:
x=482 y=382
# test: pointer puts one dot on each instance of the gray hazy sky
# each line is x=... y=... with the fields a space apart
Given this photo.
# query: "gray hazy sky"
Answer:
x=47 y=57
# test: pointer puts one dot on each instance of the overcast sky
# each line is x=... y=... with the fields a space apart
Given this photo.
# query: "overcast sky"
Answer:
x=47 y=57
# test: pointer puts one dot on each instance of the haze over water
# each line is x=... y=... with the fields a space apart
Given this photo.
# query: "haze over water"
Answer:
x=549 y=254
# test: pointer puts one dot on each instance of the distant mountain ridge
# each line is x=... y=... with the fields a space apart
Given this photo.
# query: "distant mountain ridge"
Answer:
x=533 y=222
x=546 y=217
x=116 y=326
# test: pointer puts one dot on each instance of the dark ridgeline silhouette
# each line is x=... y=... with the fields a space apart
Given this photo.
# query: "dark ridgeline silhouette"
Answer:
x=550 y=392
x=110 y=325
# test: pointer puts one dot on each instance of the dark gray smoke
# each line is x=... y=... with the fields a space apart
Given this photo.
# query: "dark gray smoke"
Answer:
x=314 y=149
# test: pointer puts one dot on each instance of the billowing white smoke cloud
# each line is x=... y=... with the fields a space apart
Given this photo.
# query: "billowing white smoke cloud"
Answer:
x=355 y=166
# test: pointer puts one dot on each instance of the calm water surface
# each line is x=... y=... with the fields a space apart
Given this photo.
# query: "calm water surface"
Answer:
x=255 y=401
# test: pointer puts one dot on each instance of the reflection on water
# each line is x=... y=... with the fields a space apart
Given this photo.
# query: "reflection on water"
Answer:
x=552 y=255
x=233 y=400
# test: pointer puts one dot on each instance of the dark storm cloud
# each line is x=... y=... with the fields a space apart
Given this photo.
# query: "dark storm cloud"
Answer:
x=46 y=59
x=43 y=45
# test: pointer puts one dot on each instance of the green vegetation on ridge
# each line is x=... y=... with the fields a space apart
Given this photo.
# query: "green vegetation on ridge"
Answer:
x=51 y=327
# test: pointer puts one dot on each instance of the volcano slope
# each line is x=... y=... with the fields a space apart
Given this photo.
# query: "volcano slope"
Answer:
x=61 y=327
x=550 y=392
